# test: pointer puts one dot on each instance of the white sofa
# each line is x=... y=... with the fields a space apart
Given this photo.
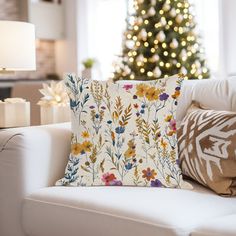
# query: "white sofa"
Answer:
x=33 y=158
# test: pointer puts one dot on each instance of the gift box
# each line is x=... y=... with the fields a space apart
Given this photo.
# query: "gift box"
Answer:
x=54 y=114
x=14 y=113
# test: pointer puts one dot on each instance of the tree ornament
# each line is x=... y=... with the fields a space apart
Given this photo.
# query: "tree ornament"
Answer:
x=197 y=63
x=139 y=20
x=151 y=11
x=127 y=70
x=183 y=70
x=172 y=13
x=154 y=58
x=174 y=44
x=143 y=34
x=183 y=53
x=130 y=44
x=179 y=18
x=163 y=21
x=166 y=6
x=140 y=58
x=161 y=36
x=157 y=72
x=140 y=1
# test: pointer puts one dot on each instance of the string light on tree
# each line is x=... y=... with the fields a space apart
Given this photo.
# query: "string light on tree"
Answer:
x=161 y=40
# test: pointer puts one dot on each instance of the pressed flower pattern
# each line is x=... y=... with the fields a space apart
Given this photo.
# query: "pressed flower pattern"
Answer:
x=123 y=134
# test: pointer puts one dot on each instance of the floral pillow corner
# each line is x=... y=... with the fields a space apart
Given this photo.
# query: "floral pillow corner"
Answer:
x=123 y=134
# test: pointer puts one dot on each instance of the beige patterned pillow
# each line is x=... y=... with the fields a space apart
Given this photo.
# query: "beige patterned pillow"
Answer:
x=207 y=148
x=123 y=134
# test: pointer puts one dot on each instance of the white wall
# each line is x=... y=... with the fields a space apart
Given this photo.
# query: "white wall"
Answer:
x=228 y=36
x=66 y=50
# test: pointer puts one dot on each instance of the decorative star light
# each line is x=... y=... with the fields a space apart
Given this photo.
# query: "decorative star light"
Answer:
x=54 y=94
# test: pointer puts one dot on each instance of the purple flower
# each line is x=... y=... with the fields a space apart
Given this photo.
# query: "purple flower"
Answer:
x=178 y=162
x=156 y=183
x=104 y=108
x=135 y=97
x=115 y=183
x=137 y=114
x=163 y=96
x=92 y=107
x=177 y=88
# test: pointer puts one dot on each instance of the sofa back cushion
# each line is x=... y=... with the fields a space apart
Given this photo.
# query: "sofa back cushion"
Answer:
x=207 y=148
x=212 y=93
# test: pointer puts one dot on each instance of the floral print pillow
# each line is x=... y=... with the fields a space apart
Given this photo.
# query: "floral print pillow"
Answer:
x=123 y=134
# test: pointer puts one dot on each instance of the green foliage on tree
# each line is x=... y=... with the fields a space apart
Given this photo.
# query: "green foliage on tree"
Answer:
x=160 y=41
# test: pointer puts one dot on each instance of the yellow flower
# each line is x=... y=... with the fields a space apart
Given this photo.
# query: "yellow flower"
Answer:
x=85 y=134
x=77 y=148
x=163 y=143
x=141 y=90
x=87 y=145
x=168 y=179
x=131 y=144
x=129 y=153
x=176 y=94
x=152 y=94
x=168 y=118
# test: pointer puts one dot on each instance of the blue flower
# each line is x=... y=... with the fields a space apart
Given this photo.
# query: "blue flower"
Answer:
x=97 y=116
x=142 y=111
x=156 y=183
x=176 y=103
x=120 y=130
x=73 y=103
x=128 y=166
x=109 y=122
x=163 y=96
x=143 y=106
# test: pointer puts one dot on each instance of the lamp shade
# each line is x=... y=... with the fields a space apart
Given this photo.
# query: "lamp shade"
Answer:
x=17 y=46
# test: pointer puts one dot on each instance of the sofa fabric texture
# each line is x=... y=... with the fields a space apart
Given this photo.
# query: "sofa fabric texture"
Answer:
x=122 y=210
x=123 y=135
x=207 y=144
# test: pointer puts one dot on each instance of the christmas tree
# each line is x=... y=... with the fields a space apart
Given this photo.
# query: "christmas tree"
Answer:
x=160 y=41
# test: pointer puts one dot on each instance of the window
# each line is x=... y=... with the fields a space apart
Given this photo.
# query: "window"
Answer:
x=106 y=24
x=207 y=18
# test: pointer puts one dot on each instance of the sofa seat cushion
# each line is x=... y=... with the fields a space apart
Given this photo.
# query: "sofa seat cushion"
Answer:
x=225 y=225
x=121 y=211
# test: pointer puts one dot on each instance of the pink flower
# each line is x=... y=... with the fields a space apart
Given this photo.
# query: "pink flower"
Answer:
x=172 y=125
x=107 y=178
x=128 y=87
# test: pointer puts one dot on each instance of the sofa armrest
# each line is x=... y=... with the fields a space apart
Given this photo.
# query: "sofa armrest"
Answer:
x=30 y=158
